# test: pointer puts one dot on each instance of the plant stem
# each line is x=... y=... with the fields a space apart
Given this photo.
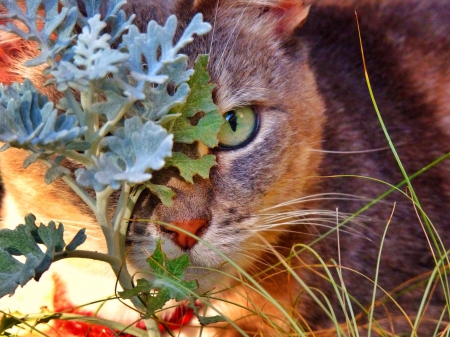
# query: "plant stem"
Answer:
x=81 y=158
x=76 y=188
x=103 y=131
x=115 y=243
x=101 y=214
x=86 y=254
x=91 y=120
x=75 y=106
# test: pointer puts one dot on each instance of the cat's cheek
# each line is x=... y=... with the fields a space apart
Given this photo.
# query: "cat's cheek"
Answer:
x=247 y=173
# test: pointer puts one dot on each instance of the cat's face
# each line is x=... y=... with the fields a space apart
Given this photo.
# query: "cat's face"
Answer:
x=259 y=87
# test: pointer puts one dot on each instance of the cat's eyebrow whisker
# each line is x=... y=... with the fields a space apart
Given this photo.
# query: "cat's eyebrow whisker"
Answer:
x=67 y=222
x=220 y=64
x=213 y=29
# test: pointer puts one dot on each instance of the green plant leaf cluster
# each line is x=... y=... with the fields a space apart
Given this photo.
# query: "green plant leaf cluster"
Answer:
x=168 y=282
x=199 y=102
x=23 y=241
x=199 y=106
x=189 y=167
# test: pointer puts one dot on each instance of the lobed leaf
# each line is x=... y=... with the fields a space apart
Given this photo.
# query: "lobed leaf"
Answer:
x=199 y=101
x=189 y=167
x=56 y=34
x=134 y=149
x=162 y=60
x=93 y=58
x=23 y=241
x=112 y=106
x=164 y=193
x=168 y=282
x=28 y=120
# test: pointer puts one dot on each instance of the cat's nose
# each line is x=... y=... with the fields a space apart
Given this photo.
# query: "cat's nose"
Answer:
x=182 y=239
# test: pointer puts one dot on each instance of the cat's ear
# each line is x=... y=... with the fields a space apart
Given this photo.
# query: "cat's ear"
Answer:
x=285 y=15
x=288 y=14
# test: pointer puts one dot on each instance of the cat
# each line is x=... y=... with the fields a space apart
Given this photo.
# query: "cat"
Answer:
x=313 y=157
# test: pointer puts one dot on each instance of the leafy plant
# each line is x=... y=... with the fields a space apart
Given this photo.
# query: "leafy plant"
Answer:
x=120 y=130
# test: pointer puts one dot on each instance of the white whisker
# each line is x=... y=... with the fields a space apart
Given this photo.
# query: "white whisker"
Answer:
x=351 y=152
x=319 y=197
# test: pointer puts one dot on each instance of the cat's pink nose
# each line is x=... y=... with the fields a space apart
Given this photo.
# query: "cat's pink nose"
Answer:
x=184 y=240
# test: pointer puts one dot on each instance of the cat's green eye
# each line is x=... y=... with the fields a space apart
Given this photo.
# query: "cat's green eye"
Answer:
x=239 y=128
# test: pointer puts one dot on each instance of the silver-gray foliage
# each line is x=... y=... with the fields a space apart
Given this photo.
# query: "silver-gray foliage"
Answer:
x=133 y=77
x=135 y=148
x=110 y=121
x=28 y=119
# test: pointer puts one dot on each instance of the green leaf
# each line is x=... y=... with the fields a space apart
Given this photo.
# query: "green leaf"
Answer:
x=203 y=320
x=156 y=261
x=168 y=282
x=77 y=240
x=164 y=193
x=55 y=172
x=52 y=237
x=142 y=287
x=14 y=273
x=78 y=146
x=205 y=131
x=198 y=101
x=24 y=240
x=7 y=322
x=200 y=97
x=189 y=167
x=19 y=241
x=157 y=300
x=177 y=266
x=210 y=320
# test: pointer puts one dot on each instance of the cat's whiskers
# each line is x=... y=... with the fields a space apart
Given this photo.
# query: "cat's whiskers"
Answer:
x=319 y=197
x=77 y=224
x=352 y=232
x=386 y=148
x=286 y=217
x=258 y=264
x=307 y=217
x=71 y=227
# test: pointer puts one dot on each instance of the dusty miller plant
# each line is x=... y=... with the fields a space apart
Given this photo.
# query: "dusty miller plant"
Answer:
x=121 y=129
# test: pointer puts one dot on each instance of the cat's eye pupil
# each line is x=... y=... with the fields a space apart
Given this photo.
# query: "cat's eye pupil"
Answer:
x=239 y=128
x=231 y=118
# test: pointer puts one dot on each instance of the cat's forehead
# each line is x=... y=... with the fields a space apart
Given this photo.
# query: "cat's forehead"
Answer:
x=245 y=45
